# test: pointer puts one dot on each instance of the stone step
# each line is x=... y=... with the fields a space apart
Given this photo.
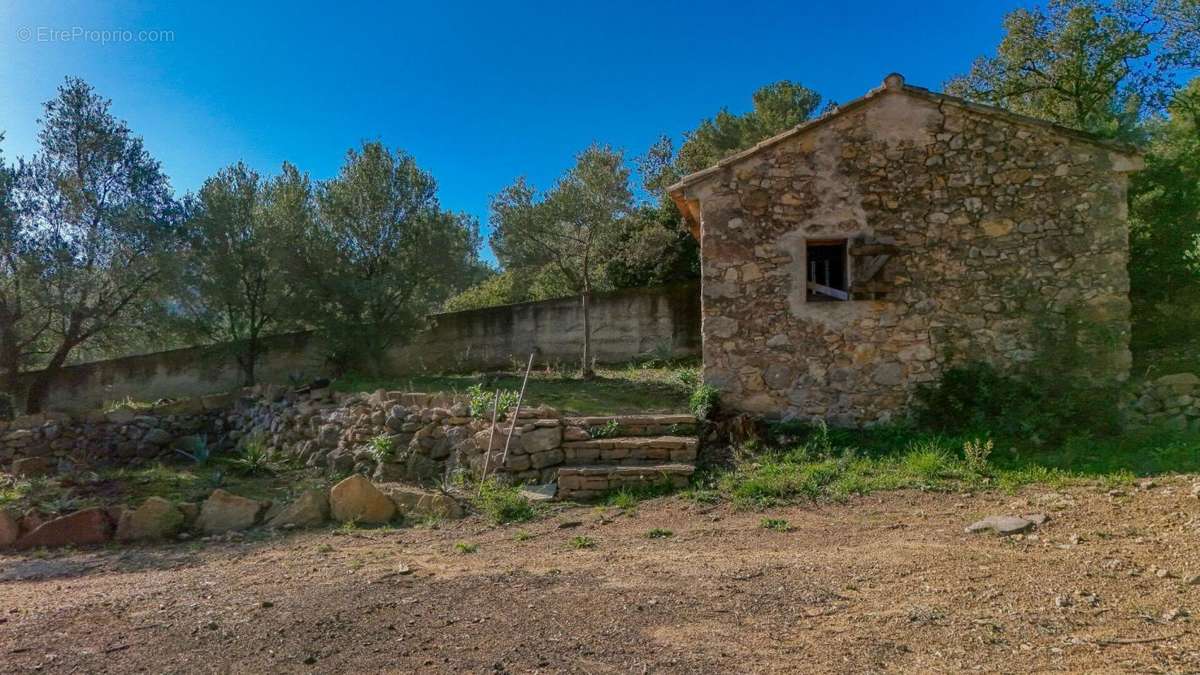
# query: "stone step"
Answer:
x=591 y=481
x=636 y=425
x=632 y=450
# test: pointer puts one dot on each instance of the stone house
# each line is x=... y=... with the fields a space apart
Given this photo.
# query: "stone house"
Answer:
x=855 y=256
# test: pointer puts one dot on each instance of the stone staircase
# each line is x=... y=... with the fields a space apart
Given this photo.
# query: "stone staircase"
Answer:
x=626 y=451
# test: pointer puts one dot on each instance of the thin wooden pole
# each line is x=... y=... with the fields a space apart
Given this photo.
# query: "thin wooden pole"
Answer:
x=517 y=412
x=491 y=434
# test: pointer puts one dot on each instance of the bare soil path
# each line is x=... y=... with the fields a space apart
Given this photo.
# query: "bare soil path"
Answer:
x=883 y=583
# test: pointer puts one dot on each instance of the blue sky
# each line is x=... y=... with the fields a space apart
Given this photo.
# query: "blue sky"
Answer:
x=478 y=93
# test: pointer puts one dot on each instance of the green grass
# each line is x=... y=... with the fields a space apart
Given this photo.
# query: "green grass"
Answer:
x=130 y=486
x=503 y=503
x=660 y=533
x=629 y=496
x=833 y=465
x=653 y=387
x=466 y=548
x=774 y=524
x=581 y=542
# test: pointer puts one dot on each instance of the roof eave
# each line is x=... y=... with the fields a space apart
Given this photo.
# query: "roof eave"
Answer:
x=894 y=83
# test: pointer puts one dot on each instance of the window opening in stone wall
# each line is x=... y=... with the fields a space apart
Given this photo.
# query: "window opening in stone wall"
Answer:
x=828 y=271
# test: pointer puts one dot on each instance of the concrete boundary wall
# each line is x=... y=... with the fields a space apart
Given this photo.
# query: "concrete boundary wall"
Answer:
x=625 y=324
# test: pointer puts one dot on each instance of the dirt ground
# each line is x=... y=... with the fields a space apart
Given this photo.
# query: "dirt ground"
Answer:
x=888 y=582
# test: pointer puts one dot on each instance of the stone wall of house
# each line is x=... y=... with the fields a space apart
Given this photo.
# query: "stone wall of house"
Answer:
x=625 y=324
x=999 y=232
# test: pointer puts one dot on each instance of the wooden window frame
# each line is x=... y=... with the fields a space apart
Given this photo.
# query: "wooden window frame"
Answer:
x=828 y=293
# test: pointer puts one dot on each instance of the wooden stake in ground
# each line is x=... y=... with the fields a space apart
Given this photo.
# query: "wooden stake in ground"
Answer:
x=517 y=412
x=491 y=434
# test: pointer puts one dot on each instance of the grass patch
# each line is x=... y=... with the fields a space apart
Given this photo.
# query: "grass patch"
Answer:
x=774 y=524
x=660 y=533
x=503 y=503
x=653 y=386
x=582 y=542
x=824 y=464
x=522 y=535
x=465 y=548
x=628 y=497
x=130 y=486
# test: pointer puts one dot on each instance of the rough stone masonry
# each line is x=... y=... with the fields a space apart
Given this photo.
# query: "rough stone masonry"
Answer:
x=857 y=255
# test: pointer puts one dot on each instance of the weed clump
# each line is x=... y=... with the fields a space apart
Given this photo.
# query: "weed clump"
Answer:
x=704 y=401
x=503 y=503
x=774 y=524
x=481 y=401
x=582 y=542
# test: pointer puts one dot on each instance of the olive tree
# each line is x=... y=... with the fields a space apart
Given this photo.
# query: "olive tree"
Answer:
x=378 y=255
x=234 y=289
x=101 y=212
x=566 y=228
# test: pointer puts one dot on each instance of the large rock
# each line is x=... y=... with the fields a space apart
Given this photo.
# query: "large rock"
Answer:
x=1179 y=383
x=82 y=528
x=328 y=436
x=223 y=512
x=541 y=439
x=1003 y=525
x=414 y=502
x=355 y=499
x=158 y=437
x=9 y=529
x=497 y=439
x=28 y=467
x=340 y=461
x=155 y=519
x=310 y=509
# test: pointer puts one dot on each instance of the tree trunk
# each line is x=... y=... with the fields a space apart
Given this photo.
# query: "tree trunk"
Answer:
x=587 y=331
x=247 y=360
x=36 y=398
x=10 y=366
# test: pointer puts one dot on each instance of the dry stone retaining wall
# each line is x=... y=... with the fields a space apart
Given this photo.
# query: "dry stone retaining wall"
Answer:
x=57 y=442
x=390 y=436
x=1172 y=401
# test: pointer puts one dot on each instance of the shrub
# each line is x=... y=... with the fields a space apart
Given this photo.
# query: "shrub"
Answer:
x=481 y=401
x=1044 y=405
x=609 y=429
x=503 y=503
x=704 y=401
x=254 y=458
x=195 y=448
x=976 y=452
x=382 y=448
